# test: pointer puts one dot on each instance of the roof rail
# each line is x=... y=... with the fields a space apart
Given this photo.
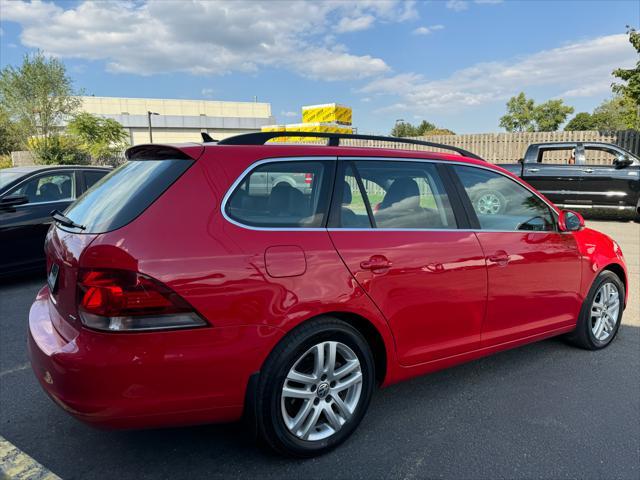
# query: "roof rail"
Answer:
x=260 y=138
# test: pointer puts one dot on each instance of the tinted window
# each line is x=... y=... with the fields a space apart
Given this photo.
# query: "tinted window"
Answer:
x=125 y=193
x=503 y=204
x=52 y=187
x=282 y=194
x=400 y=195
x=91 y=177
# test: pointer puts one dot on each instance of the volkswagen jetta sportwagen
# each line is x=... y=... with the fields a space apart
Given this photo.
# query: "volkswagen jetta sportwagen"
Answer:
x=185 y=288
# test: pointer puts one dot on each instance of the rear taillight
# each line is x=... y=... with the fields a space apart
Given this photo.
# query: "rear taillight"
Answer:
x=122 y=300
x=308 y=178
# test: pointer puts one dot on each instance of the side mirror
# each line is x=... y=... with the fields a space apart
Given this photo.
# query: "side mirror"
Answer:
x=622 y=161
x=7 y=203
x=570 y=221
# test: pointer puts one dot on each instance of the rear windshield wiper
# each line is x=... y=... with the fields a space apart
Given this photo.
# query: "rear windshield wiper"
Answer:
x=66 y=221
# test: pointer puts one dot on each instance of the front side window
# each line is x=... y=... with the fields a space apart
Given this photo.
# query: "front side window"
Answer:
x=503 y=204
x=291 y=194
x=53 y=187
x=596 y=155
x=398 y=194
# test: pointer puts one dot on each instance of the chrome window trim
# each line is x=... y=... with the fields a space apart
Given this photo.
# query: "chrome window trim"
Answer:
x=254 y=165
x=247 y=171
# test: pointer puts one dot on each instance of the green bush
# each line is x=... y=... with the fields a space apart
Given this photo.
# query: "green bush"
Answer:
x=57 y=150
x=5 y=161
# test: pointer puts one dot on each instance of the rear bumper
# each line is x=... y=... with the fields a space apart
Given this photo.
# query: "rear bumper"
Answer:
x=141 y=380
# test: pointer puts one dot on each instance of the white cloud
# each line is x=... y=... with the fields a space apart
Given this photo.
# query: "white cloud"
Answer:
x=347 y=24
x=460 y=5
x=157 y=36
x=577 y=69
x=289 y=114
x=207 y=92
x=457 y=5
x=427 y=30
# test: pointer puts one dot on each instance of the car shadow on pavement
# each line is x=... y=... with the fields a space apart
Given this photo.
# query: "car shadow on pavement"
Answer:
x=506 y=403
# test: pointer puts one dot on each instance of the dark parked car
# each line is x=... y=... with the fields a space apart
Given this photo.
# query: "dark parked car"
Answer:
x=593 y=178
x=27 y=197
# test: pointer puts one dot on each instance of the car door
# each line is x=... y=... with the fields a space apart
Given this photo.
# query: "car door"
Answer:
x=395 y=225
x=24 y=227
x=606 y=185
x=533 y=269
x=557 y=173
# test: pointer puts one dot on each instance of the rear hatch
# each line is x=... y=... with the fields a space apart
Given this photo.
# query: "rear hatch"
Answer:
x=113 y=202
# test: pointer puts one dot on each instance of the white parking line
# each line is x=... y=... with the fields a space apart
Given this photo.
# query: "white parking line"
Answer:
x=19 y=368
x=17 y=465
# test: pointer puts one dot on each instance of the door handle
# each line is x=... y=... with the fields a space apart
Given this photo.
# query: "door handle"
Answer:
x=500 y=257
x=588 y=170
x=533 y=169
x=376 y=263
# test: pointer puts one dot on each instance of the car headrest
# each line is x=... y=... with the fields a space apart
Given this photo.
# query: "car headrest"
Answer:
x=404 y=190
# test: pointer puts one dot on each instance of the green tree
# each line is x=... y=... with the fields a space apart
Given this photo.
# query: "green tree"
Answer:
x=520 y=114
x=631 y=76
x=550 y=115
x=405 y=129
x=617 y=113
x=9 y=135
x=37 y=96
x=581 y=122
x=101 y=138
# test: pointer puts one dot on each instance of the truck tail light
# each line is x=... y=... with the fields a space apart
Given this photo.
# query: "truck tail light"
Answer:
x=308 y=178
x=123 y=300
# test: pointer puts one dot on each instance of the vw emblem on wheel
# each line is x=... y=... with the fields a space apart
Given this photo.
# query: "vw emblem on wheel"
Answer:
x=323 y=389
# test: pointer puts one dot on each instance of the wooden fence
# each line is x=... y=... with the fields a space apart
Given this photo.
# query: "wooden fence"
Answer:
x=510 y=147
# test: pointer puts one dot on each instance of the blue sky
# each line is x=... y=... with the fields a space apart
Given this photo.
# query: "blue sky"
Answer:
x=454 y=63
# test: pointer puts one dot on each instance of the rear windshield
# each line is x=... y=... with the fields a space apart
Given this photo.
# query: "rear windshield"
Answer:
x=125 y=193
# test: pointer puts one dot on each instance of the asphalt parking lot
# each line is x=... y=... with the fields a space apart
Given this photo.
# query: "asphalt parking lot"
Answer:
x=546 y=410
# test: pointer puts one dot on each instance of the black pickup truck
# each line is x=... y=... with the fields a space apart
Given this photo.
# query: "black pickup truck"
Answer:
x=590 y=177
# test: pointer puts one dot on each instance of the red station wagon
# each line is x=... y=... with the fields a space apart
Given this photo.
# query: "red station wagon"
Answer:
x=185 y=288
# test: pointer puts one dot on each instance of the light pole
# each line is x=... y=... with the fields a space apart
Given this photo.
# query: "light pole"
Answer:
x=149 y=113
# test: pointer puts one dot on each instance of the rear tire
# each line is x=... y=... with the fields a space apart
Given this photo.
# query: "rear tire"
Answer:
x=601 y=313
x=306 y=403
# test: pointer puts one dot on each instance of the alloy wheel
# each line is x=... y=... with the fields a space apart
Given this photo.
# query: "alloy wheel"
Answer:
x=321 y=391
x=605 y=311
x=488 y=204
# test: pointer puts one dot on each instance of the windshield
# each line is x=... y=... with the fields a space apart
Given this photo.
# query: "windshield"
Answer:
x=122 y=195
x=7 y=177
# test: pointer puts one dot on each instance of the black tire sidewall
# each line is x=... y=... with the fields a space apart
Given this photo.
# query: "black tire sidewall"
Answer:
x=273 y=428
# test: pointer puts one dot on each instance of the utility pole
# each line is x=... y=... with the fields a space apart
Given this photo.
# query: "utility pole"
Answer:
x=149 y=113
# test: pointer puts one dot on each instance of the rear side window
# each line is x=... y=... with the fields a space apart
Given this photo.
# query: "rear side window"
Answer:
x=398 y=194
x=91 y=177
x=125 y=193
x=291 y=194
x=503 y=204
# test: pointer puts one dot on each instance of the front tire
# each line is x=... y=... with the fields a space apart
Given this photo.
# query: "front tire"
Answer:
x=314 y=388
x=601 y=313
